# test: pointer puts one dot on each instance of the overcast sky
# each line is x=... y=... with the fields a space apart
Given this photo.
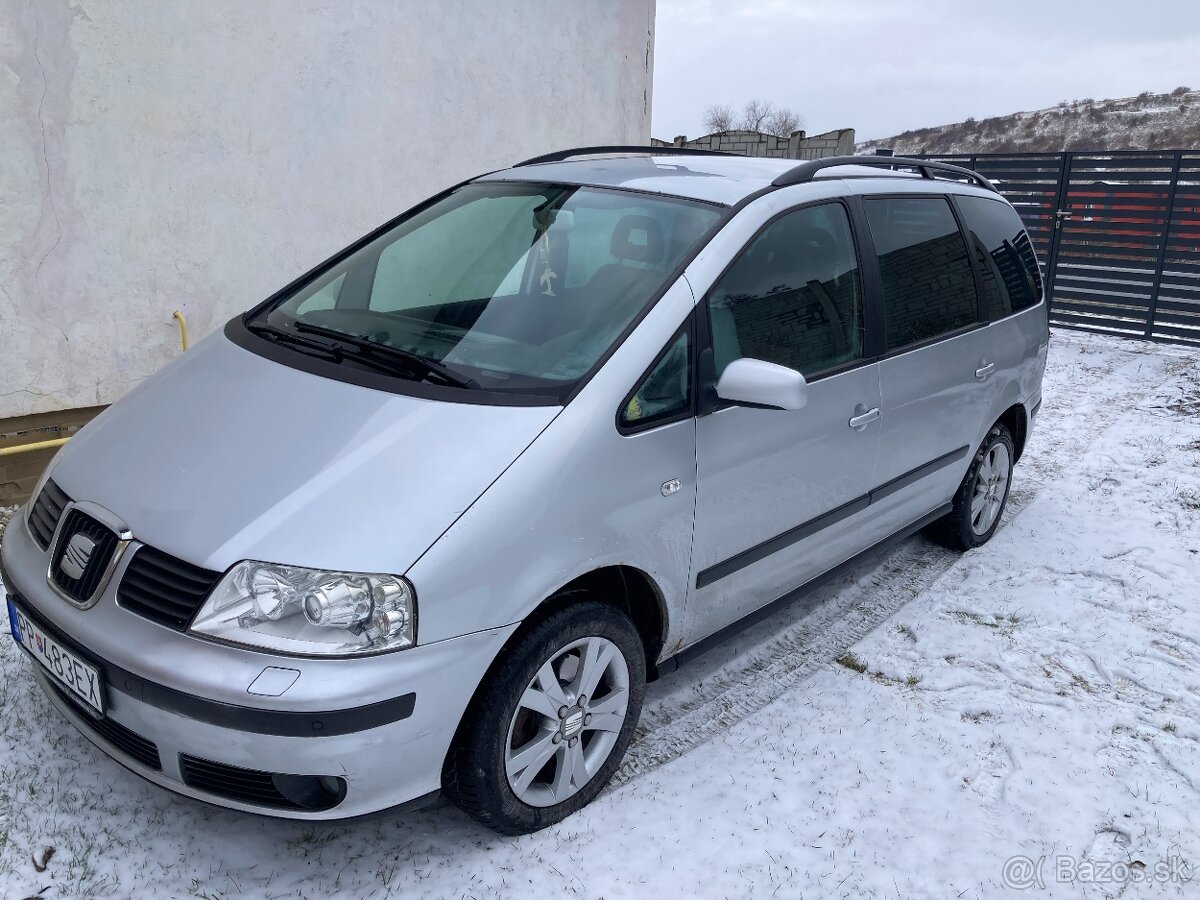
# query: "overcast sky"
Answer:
x=884 y=66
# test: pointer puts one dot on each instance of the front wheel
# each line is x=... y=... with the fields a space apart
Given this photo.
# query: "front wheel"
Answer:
x=550 y=727
x=980 y=499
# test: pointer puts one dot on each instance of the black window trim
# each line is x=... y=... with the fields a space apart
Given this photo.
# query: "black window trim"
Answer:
x=710 y=402
x=976 y=273
x=688 y=328
x=980 y=318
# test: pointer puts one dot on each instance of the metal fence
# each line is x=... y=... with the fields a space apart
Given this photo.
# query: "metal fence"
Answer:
x=1117 y=232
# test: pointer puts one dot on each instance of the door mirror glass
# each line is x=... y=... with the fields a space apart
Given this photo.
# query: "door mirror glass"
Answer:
x=754 y=382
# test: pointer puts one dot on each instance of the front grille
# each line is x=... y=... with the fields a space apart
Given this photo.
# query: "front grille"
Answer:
x=163 y=589
x=88 y=545
x=128 y=742
x=302 y=792
x=47 y=509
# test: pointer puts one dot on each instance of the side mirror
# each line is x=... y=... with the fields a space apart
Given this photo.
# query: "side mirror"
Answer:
x=754 y=382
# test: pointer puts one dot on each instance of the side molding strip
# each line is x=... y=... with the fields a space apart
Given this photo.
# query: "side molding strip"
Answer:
x=781 y=541
x=897 y=484
x=807 y=529
x=703 y=646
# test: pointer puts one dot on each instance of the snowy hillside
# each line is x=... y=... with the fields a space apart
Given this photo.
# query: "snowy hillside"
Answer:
x=1145 y=122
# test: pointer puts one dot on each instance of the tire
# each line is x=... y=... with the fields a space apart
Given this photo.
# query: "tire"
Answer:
x=512 y=720
x=980 y=500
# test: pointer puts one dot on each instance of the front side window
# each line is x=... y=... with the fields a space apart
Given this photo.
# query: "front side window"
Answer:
x=1007 y=262
x=928 y=287
x=666 y=392
x=793 y=297
x=506 y=287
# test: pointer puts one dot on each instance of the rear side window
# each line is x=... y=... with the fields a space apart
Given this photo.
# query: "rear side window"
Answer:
x=928 y=287
x=793 y=297
x=1007 y=262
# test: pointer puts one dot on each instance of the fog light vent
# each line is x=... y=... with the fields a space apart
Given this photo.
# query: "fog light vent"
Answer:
x=279 y=791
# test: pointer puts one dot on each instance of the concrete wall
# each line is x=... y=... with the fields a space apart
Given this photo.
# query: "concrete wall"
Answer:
x=752 y=143
x=174 y=154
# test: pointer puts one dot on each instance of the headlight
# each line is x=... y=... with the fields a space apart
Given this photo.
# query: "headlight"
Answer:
x=310 y=612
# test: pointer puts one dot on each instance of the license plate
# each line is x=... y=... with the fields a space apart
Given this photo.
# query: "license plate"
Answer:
x=83 y=680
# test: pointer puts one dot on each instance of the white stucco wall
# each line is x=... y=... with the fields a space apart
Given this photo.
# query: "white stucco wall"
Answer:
x=174 y=154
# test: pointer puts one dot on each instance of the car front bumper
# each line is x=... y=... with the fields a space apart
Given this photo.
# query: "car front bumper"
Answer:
x=179 y=714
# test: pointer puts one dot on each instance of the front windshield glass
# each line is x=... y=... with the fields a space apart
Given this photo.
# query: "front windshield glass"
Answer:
x=514 y=287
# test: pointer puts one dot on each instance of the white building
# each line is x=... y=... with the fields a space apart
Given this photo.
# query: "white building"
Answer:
x=158 y=155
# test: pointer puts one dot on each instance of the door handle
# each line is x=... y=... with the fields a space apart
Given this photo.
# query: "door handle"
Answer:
x=984 y=371
x=865 y=419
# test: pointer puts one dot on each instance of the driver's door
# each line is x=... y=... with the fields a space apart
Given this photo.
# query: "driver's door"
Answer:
x=780 y=493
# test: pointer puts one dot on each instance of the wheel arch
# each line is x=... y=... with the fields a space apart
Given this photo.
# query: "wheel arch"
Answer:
x=1016 y=420
x=626 y=587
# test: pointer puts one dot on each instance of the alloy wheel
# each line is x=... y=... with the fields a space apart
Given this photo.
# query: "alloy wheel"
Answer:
x=567 y=721
x=991 y=487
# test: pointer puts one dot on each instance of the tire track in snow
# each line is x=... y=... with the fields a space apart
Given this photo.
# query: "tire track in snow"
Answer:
x=684 y=710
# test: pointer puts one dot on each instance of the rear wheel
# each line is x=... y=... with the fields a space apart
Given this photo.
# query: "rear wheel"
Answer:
x=552 y=724
x=980 y=499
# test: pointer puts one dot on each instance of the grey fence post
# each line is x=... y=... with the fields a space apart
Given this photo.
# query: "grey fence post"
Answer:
x=1064 y=181
x=1162 y=248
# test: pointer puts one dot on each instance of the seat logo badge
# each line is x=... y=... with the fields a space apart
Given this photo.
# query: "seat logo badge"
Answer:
x=671 y=487
x=77 y=556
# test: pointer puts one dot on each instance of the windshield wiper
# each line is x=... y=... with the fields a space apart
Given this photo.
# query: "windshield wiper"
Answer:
x=373 y=352
x=280 y=335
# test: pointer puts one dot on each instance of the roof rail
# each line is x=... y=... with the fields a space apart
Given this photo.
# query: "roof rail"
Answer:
x=560 y=155
x=807 y=171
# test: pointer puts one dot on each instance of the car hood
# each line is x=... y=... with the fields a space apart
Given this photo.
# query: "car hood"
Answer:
x=224 y=455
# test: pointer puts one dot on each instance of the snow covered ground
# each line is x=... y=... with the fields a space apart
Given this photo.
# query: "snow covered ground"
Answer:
x=932 y=725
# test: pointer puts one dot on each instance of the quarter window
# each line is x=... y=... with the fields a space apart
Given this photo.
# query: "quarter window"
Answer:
x=793 y=297
x=1007 y=262
x=928 y=287
x=666 y=392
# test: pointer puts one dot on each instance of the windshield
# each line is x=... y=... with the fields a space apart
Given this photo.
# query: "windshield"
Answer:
x=509 y=287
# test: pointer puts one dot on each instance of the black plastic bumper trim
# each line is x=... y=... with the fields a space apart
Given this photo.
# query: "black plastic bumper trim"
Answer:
x=284 y=723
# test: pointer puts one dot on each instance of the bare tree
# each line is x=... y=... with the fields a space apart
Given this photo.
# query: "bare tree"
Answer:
x=754 y=114
x=762 y=116
x=718 y=117
x=782 y=122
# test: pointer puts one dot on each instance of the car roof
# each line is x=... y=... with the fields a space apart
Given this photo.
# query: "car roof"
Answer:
x=707 y=177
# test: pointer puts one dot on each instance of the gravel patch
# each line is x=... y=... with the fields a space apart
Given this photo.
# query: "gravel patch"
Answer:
x=6 y=513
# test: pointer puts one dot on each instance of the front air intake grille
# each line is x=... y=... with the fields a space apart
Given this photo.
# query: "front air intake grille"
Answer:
x=300 y=792
x=82 y=556
x=47 y=509
x=128 y=742
x=163 y=589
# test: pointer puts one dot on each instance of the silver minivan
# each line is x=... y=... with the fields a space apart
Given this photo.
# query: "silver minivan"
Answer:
x=429 y=518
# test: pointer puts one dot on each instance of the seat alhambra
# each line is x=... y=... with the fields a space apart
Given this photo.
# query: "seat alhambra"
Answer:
x=429 y=519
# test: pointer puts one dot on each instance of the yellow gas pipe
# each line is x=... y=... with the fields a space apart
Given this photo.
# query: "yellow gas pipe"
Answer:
x=29 y=448
x=183 y=335
x=58 y=442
